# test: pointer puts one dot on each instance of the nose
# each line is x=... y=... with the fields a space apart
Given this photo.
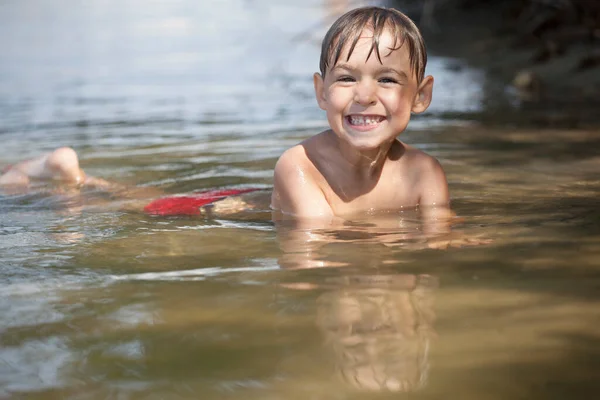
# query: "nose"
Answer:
x=364 y=93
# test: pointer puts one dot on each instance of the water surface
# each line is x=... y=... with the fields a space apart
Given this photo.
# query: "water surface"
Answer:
x=99 y=302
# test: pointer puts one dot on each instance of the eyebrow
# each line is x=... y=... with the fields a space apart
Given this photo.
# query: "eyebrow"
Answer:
x=387 y=69
x=381 y=70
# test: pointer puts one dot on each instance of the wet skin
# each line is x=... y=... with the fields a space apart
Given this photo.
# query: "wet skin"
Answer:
x=358 y=165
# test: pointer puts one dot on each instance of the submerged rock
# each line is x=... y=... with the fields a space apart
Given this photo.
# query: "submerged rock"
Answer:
x=528 y=84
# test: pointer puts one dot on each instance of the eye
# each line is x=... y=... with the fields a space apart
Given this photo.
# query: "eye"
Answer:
x=387 y=80
x=345 y=78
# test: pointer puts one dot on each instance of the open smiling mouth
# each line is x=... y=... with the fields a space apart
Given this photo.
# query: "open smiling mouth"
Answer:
x=364 y=122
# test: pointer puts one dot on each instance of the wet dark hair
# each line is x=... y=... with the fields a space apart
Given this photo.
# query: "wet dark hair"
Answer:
x=347 y=30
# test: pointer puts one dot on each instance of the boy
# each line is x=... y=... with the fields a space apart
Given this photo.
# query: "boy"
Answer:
x=371 y=79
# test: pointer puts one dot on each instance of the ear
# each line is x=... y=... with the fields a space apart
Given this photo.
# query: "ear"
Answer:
x=424 y=94
x=319 y=90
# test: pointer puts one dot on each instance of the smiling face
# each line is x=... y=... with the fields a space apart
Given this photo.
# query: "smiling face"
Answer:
x=368 y=102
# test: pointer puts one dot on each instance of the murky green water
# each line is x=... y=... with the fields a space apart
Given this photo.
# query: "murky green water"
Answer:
x=97 y=302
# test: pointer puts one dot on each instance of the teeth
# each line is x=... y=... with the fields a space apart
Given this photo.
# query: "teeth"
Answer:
x=364 y=120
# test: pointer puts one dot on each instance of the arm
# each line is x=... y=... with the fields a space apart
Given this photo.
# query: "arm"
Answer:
x=296 y=196
x=434 y=187
x=295 y=192
x=434 y=202
x=438 y=218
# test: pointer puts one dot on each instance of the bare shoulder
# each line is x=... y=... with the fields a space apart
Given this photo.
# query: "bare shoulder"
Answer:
x=292 y=165
x=428 y=176
x=421 y=161
x=296 y=160
x=296 y=190
x=291 y=159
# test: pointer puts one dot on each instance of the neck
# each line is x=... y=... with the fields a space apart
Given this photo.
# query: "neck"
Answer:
x=367 y=163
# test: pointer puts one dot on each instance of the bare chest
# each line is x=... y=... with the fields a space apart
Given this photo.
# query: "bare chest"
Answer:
x=390 y=192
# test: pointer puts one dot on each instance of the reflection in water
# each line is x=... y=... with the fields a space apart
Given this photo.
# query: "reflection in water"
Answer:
x=378 y=325
x=305 y=244
x=379 y=328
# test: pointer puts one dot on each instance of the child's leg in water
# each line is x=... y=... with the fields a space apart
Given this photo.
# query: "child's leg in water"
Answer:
x=61 y=165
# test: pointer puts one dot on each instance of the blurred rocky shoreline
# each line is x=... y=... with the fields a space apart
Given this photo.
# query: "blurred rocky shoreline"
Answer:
x=541 y=58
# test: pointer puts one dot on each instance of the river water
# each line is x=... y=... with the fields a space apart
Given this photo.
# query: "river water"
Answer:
x=179 y=96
